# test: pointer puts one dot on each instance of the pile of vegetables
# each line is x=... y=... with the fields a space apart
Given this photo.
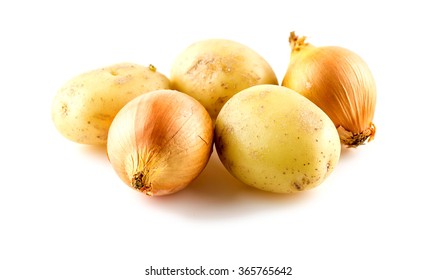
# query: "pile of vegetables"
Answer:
x=160 y=131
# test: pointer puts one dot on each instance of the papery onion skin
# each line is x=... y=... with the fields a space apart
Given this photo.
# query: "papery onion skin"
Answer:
x=339 y=82
x=160 y=142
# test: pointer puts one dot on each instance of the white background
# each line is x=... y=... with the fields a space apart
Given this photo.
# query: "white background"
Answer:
x=64 y=214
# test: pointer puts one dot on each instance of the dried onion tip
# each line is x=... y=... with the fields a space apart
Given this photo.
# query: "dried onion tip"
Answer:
x=339 y=82
x=160 y=142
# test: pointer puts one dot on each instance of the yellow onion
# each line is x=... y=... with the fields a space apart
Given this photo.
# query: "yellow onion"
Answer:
x=160 y=142
x=339 y=82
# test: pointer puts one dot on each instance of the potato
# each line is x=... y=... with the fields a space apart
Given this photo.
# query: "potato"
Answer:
x=85 y=106
x=213 y=70
x=272 y=138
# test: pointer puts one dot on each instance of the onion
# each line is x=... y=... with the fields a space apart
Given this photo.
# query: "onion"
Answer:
x=160 y=142
x=339 y=82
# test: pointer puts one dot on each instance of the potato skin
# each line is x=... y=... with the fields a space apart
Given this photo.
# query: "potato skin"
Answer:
x=274 y=139
x=85 y=106
x=213 y=70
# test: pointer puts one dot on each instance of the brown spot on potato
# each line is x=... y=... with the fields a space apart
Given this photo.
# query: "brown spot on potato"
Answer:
x=221 y=101
x=297 y=186
x=64 y=109
x=328 y=166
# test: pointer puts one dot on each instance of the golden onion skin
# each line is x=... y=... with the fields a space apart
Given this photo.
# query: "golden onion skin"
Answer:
x=160 y=142
x=338 y=81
